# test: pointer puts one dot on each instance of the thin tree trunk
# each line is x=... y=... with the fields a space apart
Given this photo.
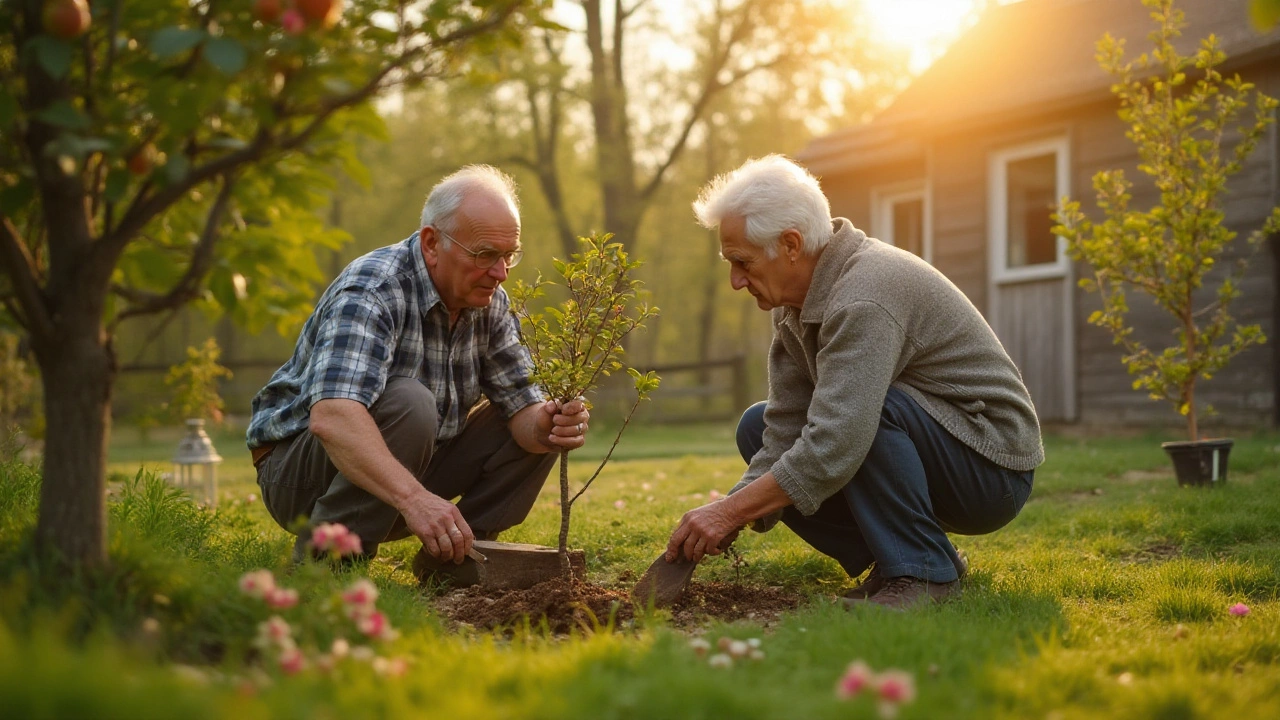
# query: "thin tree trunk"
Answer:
x=1191 y=352
x=565 y=508
x=78 y=371
x=710 y=281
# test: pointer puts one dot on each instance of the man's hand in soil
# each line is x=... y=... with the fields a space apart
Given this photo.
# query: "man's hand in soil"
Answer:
x=710 y=529
x=704 y=531
x=439 y=525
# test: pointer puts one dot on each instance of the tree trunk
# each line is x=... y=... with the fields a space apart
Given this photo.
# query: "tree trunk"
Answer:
x=565 y=508
x=710 y=282
x=78 y=370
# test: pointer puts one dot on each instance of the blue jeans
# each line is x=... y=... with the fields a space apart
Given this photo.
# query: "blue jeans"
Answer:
x=917 y=483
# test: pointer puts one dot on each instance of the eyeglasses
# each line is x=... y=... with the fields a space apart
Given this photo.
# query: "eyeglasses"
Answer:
x=487 y=258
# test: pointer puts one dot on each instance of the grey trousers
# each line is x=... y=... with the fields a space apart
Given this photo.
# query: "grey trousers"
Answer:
x=496 y=480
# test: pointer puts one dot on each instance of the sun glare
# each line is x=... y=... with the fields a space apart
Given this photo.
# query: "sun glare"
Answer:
x=920 y=26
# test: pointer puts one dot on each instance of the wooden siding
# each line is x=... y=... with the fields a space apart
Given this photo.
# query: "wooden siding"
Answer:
x=850 y=193
x=959 y=214
x=1029 y=320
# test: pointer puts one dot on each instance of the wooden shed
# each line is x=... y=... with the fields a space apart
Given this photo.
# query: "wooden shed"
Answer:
x=965 y=166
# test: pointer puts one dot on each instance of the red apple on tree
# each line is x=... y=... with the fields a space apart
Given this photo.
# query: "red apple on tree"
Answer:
x=324 y=13
x=267 y=11
x=141 y=162
x=67 y=19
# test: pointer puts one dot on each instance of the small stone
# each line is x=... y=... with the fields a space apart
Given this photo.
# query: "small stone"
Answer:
x=724 y=642
x=699 y=646
x=720 y=660
x=739 y=649
x=753 y=642
x=756 y=654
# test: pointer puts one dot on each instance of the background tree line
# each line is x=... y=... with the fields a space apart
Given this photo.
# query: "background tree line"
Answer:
x=609 y=122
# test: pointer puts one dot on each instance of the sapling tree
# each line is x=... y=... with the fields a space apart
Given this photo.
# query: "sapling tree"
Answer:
x=194 y=383
x=1179 y=110
x=578 y=342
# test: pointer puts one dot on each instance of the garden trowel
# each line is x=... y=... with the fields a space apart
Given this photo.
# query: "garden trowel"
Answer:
x=664 y=582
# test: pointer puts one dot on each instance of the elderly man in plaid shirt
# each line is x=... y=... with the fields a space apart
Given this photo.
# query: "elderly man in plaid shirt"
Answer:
x=377 y=421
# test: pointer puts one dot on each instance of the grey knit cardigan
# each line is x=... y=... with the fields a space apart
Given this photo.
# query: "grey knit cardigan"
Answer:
x=876 y=316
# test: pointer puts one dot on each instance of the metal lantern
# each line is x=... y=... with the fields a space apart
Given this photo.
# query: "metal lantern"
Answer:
x=195 y=463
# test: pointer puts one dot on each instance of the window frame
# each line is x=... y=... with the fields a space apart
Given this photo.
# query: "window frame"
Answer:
x=998 y=209
x=883 y=199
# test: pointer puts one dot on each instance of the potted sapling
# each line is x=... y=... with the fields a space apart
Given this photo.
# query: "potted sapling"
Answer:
x=1178 y=110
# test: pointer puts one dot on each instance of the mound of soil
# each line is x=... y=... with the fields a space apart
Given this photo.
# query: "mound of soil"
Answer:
x=729 y=601
x=582 y=606
x=566 y=606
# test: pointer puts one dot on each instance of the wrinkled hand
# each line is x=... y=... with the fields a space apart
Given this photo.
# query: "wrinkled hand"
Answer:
x=706 y=530
x=439 y=525
x=568 y=423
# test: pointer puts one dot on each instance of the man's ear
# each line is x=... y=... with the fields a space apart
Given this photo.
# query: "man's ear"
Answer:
x=792 y=244
x=430 y=241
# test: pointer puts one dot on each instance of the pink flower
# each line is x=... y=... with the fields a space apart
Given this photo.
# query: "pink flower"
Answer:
x=374 y=625
x=1239 y=610
x=348 y=544
x=274 y=632
x=281 y=598
x=856 y=679
x=292 y=661
x=896 y=686
x=391 y=667
x=292 y=22
x=324 y=534
x=619 y=504
x=257 y=583
x=335 y=538
x=359 y=597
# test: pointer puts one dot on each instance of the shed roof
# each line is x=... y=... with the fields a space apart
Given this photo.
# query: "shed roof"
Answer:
x=1032 y=55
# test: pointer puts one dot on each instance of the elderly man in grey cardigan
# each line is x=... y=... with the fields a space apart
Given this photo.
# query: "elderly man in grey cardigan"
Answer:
x=894 y=415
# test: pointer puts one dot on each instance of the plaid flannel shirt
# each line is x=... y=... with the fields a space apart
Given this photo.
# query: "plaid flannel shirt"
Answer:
x=382 y=318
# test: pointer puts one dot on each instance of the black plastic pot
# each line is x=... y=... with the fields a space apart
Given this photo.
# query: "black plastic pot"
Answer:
x=1200 y=462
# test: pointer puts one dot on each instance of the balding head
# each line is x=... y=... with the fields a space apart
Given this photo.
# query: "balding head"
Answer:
x=486 y=191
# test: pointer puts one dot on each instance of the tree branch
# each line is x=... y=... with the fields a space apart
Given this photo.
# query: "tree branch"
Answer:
x=108 y=249
x=626 y=421
x=628 y=12
x=21 y=268
x=187 y=288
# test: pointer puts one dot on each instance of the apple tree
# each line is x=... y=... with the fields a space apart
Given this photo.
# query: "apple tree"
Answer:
x=155 y=153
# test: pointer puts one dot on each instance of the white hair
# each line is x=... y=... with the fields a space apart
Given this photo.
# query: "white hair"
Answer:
x=445 y=198
x=772 y=195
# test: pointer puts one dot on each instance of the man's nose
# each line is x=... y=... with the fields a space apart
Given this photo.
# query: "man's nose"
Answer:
x=499 y=270
x=737 y=278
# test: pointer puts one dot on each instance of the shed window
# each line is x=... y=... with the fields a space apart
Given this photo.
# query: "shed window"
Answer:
x=1031 y=200
x=908 y=225
x=1025 y=184
x=900 y=216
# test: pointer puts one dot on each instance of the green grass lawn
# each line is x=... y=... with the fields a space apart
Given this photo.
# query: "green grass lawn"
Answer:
x=1107 y=597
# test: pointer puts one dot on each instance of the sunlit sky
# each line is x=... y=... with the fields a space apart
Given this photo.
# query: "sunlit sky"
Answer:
x=924 y=27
